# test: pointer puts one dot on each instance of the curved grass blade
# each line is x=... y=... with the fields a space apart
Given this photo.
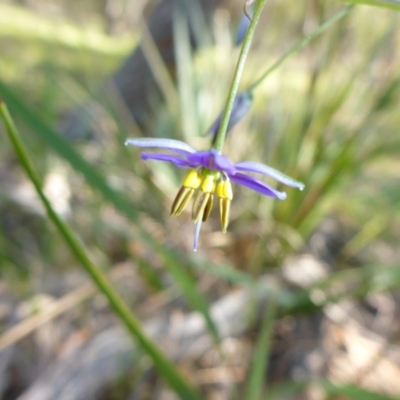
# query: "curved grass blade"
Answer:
x=261 y=354
x=300 y=44
x=392 y=4
x=95 y=180
x=351 y=392
x=166 y=368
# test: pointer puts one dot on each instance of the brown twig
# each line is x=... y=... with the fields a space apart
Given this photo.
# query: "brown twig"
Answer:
x=246 y=6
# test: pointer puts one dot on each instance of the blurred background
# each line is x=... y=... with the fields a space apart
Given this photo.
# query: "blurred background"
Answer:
x=299 y=300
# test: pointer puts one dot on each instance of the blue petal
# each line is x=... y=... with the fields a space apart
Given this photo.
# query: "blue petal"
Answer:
x=167 y=144
x=177 y=160
x=258 y=168
x=257 y=185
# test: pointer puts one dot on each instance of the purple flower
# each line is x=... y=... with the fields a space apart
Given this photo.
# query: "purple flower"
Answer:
x=210 y=172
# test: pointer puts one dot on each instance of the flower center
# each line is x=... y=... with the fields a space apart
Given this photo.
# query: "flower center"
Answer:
x=204 y=182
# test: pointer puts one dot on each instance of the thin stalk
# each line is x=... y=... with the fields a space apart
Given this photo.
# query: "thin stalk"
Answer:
x=95 y=180
x=302 y=43
x=391 y=4
x=261 y=356
x=161 y=362
x=220 y=138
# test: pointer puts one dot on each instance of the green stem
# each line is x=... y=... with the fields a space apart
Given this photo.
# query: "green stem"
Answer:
x=302 y=43
x=262 y=352
x=219 y=142
x=184 y=280
x=165 y=366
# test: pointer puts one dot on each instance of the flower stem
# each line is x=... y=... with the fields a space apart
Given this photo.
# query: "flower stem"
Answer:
x=220 y=138
x=165 y=366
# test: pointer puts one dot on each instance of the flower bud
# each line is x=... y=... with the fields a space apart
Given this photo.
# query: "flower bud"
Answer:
x=241 y=106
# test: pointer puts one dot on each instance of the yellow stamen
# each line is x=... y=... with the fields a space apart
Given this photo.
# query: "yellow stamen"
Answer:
x=199 y=205
x=191 y=182
x=203 y=201
x=208 y=184
x=225 y=194
x=224 y=190
x=208 y=207
x=181 y=200
x=204 y=198
x=224 y=210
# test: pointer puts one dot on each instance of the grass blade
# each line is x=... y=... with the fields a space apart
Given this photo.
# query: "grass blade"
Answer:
x=260 y=363
x=161 y=362
x=300 y=44
x=350 y=392
x=96 y=181
x=353 y=392
x=392 y=4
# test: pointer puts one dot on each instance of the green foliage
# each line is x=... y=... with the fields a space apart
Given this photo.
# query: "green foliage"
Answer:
x=165 y=366
x=261 y=355
x=391 y=4
x=325 y=112
x=350 y=392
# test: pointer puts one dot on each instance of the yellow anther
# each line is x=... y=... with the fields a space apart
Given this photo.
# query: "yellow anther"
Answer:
x=181 y=200
x=224 y=190
x=225 y=194
x=203 y=201
x=202 y=206
x=192 y=180
x=208 y=207
x=224 y=211
x=208 y=184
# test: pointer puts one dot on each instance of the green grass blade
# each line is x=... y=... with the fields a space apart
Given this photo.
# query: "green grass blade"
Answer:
x=224 y=272
x=300 y=44
x=261 y=355
x=20 y=22
x=96 y=181
x=392 y=4
x=61 y=146
x=189 y=289
x=183 y=58
x=350 y=392
x=166 y=368
x=286 y=389
x=353 y=392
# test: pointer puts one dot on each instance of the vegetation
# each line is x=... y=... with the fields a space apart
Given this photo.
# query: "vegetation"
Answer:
x=298 y=298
